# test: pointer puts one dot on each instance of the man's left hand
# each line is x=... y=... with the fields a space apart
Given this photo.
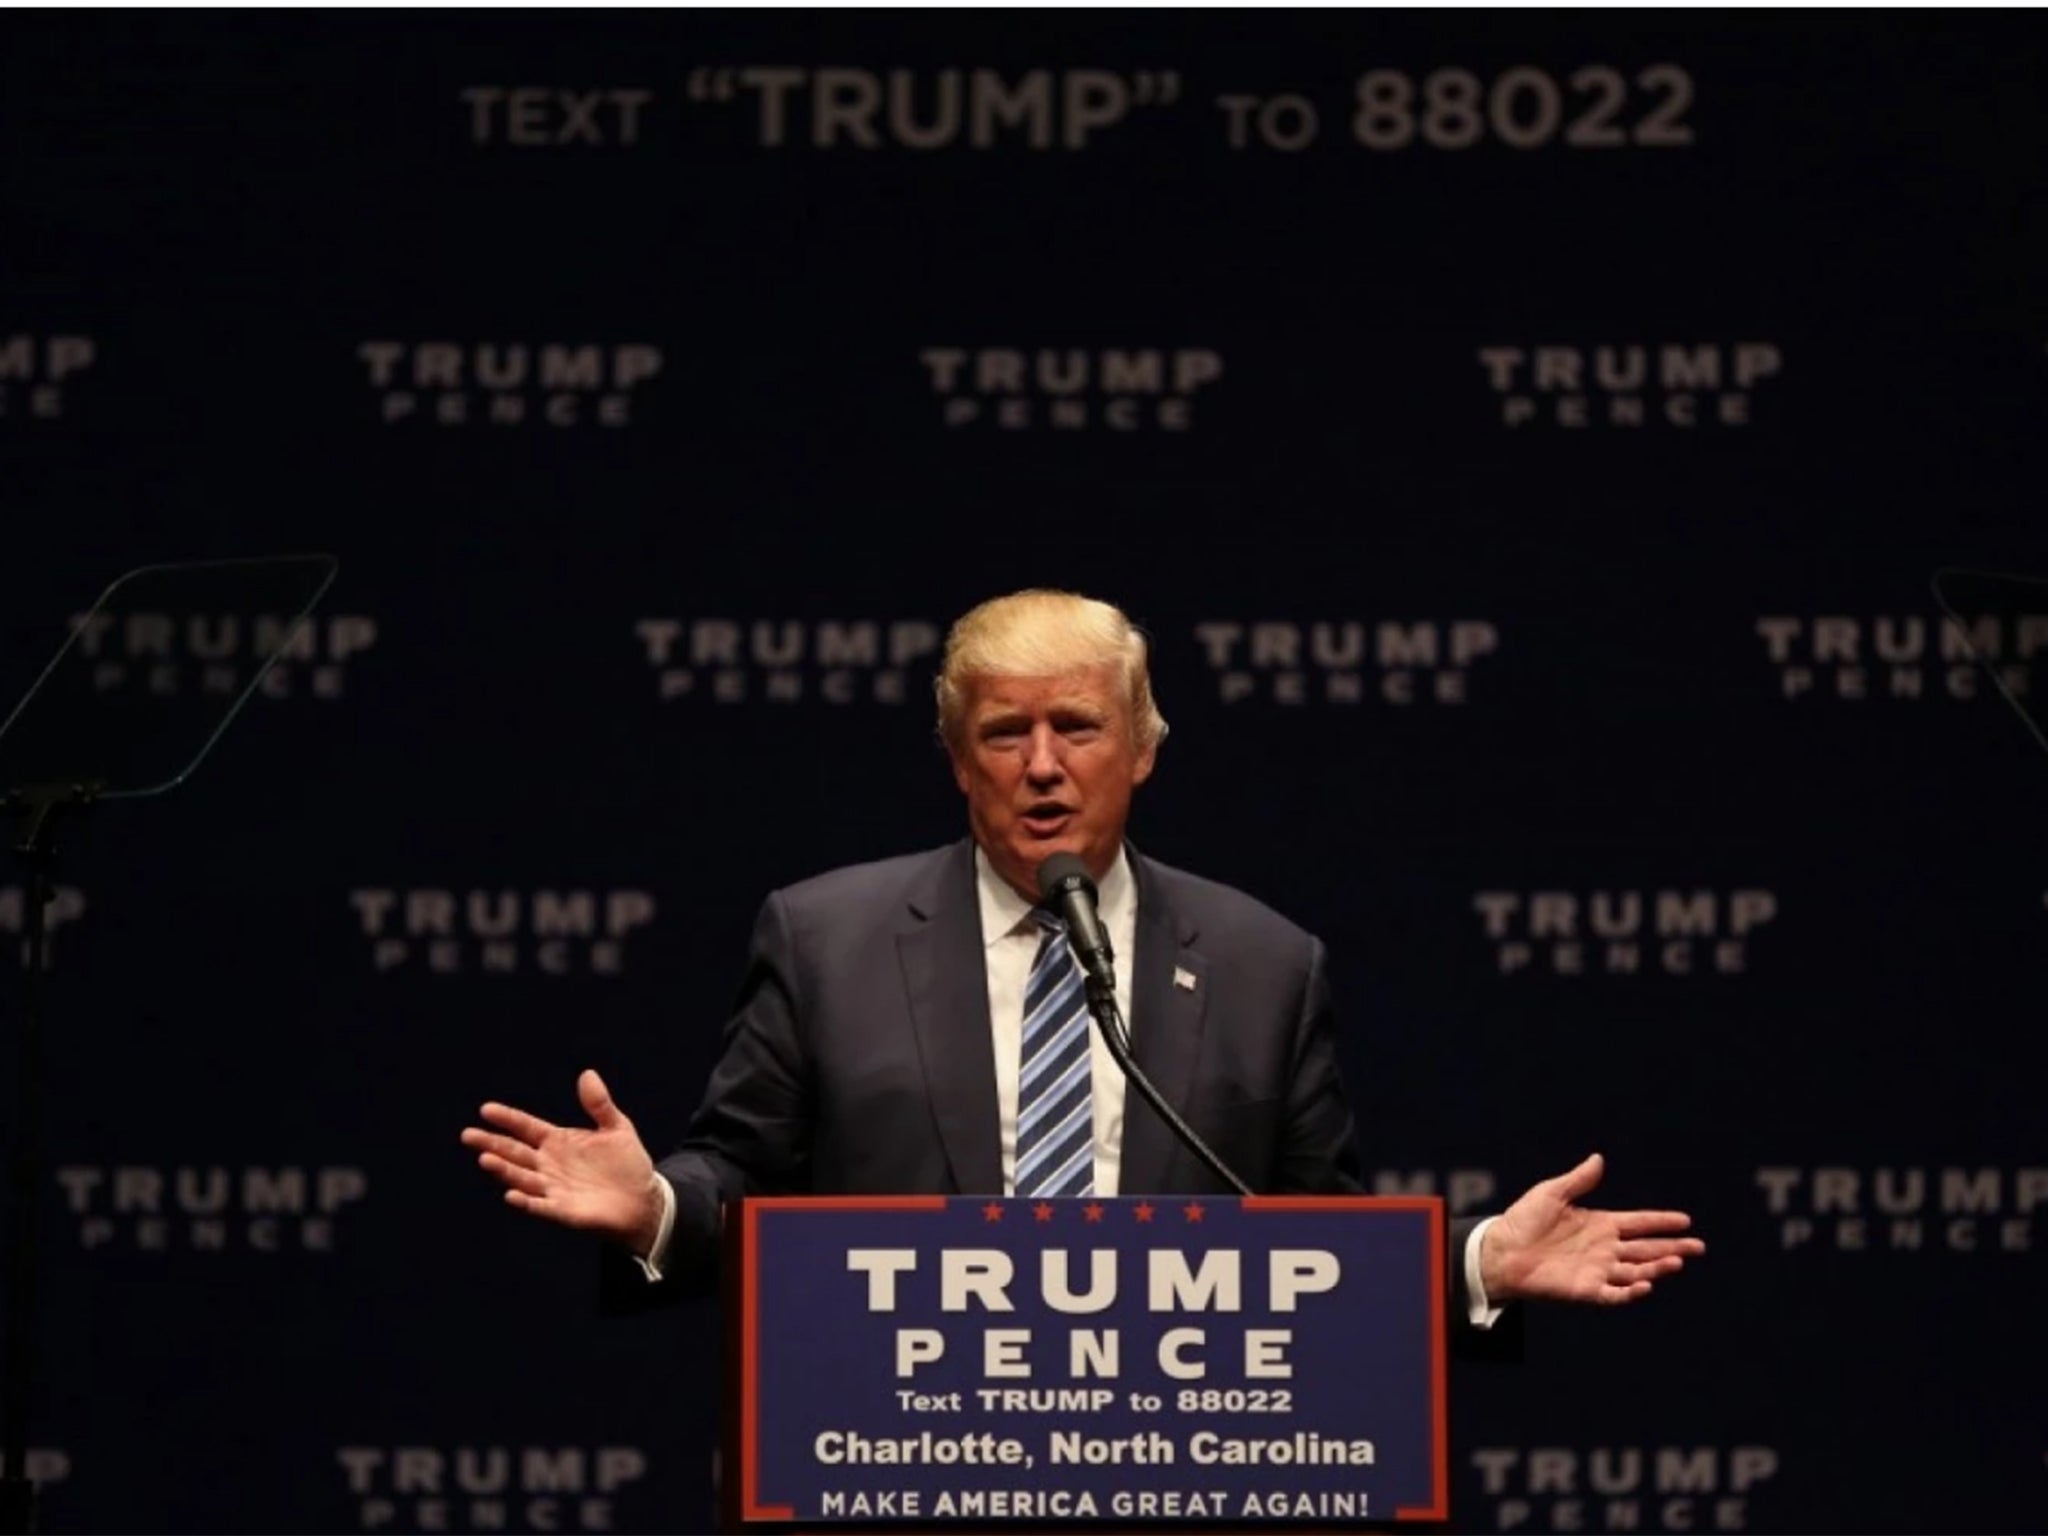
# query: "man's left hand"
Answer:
x=1547 y=1246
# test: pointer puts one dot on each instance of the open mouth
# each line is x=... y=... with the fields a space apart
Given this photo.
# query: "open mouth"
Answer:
x=1047 y=816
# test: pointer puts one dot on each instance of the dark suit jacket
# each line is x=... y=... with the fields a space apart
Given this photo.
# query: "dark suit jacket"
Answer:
x=859 y=1060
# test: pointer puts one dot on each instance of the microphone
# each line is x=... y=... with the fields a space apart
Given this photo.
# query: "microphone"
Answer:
x=1065 y=886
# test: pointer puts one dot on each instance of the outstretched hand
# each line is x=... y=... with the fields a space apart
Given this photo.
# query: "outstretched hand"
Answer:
x=1546 y=1245
x=600 y=1180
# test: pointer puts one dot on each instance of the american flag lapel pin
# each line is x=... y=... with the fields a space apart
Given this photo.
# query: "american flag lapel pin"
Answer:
x=1184 y=978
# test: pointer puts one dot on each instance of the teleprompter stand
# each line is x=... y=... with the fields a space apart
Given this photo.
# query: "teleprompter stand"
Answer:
x=94 y=729
x=38 y=806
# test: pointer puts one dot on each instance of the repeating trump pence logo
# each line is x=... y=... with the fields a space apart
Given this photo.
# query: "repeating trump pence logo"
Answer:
x=488 y=1488
x=1070 y=389
x=1854 y=1209
x=507 y=383
x=502 y=932
x=144 y=1208
x=1901 y=656
x=1623 y=1487
x=167 y=655
x=37 y=374
x=1631 y=384
x=1463 y=1189
x=1345 y=662
x=1668 y=931
x=790 y=661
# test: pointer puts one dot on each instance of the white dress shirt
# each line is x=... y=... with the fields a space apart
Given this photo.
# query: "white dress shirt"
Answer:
x=1009 y=944
x=1010 y=941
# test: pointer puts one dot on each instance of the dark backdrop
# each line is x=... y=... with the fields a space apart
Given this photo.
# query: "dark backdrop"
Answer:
x=1528 y=438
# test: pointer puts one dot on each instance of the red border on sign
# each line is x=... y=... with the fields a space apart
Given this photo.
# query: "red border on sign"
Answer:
x=751 y=1507
x=1439 y=1507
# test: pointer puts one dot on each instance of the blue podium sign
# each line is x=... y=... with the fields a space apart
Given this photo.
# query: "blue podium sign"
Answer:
x=1187 y=1359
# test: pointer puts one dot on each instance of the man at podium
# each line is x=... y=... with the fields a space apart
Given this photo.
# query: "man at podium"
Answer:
x=918 y=1025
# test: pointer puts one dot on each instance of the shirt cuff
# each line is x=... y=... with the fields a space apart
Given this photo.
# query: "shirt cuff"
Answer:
x=650 y=1265
x=1479 y=1312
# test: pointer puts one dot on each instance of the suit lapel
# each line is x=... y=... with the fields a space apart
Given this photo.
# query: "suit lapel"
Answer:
x=945 y=975
x=1166 y=1031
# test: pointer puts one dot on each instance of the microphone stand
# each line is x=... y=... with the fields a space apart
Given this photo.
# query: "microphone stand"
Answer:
x=1066 y=887
x=1116 y=1035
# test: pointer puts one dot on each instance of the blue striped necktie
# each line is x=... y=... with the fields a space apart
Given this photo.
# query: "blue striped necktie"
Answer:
x=1055 y=1098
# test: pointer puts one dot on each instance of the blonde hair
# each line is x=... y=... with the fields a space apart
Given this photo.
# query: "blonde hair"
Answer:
x=1043 y=633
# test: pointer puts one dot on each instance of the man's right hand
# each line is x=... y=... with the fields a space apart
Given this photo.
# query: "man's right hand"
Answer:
x=600 y=1180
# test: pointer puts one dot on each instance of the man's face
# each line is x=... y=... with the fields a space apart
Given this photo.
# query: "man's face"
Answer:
x=1048 y=765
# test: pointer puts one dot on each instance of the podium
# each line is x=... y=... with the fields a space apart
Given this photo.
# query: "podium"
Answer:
x=936 y=1362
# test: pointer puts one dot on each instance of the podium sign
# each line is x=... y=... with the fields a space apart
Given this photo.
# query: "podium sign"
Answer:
x=1162 y=1359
